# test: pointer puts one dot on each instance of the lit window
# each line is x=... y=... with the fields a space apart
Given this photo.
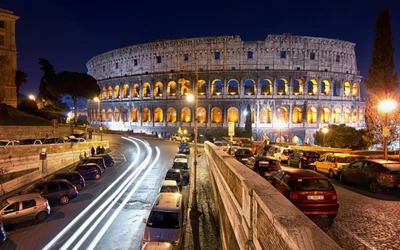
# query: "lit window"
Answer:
x=249 y=54
x=186 y=57
x=312 y=55
x=216 y=55
x=283 y=54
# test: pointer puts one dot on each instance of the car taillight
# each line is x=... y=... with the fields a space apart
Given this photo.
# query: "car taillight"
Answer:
x=304 y=158
x=294 y=196
x=386 y=175
x=334 y=196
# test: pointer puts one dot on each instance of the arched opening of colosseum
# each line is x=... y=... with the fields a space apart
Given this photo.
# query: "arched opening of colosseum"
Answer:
x=355 y=89
x=109 y=115
x=233 y=87
x=354 y=118
x=265 y=115
x=135 y=90
x=282 y=114
x=346 y=89
x=201 y=115
x=158 y=89
x=146 y=115
x=336 y=116
x=283 y=86
x=249 y=87
x=103 y=115
x=185 y=87
x=185 y=115
x=347 y=116
x=135 y=115
x=171 y=115
x=125 y=117
x=312 y=116
x=325 y=88
x=146 y=90
x=216 y=115
x=336 y=89
x=266 y=87
x=109 y=92
x=116 y=115
x=158 y=115
x=361 y=115
x=125 y=91
x=297 y=116
x=312 y=87
x=253 y=115
x=171 y=88
x=116 y=91
x=297 y=140
x=298 y=87
x=233 y=114
x=217 y=87
x=325 y=115
x=104 y=93
x=202 y=87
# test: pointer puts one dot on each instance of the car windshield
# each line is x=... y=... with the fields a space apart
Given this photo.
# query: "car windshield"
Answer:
x=313 y=185
x=172 y=176
x=273 y=165
x=169 y=189
x=180 y=165
x=163 y=220
x=346 y=159
x=4 y=204
x=311 y=154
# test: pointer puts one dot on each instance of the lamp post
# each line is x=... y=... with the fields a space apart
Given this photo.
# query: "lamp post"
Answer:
x=96 y=99
x=32 y=97
x=194 y=212
x=324 y=130
x=386 y=106
x=280 y=124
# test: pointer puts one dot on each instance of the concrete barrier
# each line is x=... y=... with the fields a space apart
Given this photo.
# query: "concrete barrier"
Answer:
x=253 y=214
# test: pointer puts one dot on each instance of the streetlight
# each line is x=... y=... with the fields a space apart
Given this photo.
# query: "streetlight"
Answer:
x=96 y=99
x=280 y=124
x=386 y=106
x=194 y=212
x=32 y=97
x=324 y=130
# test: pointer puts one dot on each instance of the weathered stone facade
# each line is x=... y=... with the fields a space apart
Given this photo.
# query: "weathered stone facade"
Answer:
x=294 y=85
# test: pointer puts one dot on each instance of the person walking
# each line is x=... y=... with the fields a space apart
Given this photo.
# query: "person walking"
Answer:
x=98 y=150
x=93 y=151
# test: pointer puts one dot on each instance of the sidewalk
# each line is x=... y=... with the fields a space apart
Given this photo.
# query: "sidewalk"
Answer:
x=209 y=236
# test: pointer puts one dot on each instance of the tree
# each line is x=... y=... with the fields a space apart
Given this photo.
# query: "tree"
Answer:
x=45 y=95
x=382 y=83
x=248 y=130
x=342 y=136
x=20 y=79
x=75 y=85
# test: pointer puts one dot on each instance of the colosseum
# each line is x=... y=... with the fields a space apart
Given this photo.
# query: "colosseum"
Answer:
x=294 y=85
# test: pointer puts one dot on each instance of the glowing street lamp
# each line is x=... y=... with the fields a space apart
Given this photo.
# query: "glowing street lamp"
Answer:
x=96 y=99
x=324 y=131
x=280 y=124
x=386 y=106
x=32 y=97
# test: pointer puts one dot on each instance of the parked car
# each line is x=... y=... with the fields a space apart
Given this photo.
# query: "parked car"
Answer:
x=180 y=156
x=245 y=143
x=264 y=165
x=180 y=137
x=175 y=175
x=95 y=159
x=30 y=141
x=278 y=152
x=73 y=177
x=243 y=154
x=221 y=145
x=108 y=159
x=24 y=207
x=169 y=186
x=303 y=159
x=377 y=174
x=80 y=135
x=157 y=245
x=309 y=191
x=182 y=165
x=330 y=163
x=89 y=171
x=184 y=148
x=76 y=140
x=53 y=140
x=7 y=143
x=55 y=191
x=3 y=235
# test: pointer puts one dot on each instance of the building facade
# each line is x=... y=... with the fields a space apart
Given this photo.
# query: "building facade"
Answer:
x=294 y=86
x=8 y=58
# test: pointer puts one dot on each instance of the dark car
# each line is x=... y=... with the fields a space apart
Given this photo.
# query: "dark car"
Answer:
x=377 y=174
x=184 y=148
x=174 y=174
x=243 y=154
x=303 y=159
x=109 y=160
x=264 y=165
x=89 y=171
x=53 y=140
x=182 y=165
x=73 y=177
x=55 y=191
x=308 y=190
x=80 y=135
x=3 y=235
x=30 y=141
x=95 y=159
x=245 y=143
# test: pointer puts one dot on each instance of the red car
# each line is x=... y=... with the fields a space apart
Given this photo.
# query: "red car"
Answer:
x=311 y=192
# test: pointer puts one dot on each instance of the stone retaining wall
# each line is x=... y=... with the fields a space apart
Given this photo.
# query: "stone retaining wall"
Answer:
x=36 y=132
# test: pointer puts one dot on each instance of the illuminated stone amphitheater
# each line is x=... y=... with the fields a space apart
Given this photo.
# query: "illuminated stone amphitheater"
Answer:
x=294 y=85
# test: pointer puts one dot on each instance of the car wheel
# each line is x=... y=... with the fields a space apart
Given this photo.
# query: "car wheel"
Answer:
x=374 y=186
x=41 y=216
x=112 y=164
x=97 y=176
x=342 y=179
x=331 y=174
x=299 y=164
x=64 y=200
x=78 y=187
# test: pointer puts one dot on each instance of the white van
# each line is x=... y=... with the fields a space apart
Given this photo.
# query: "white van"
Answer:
x=166 y=221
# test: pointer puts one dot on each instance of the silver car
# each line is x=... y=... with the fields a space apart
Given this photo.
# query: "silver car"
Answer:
x=24 y=207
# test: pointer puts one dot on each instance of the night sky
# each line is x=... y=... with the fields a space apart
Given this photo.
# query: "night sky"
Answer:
x=69 y=33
